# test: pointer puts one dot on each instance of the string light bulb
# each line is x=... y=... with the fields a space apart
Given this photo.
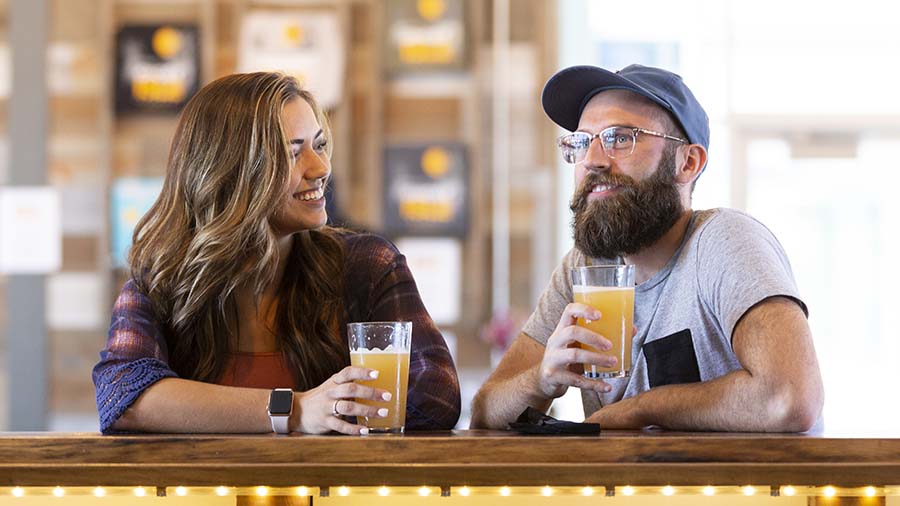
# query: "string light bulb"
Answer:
x=829 y=491
x=587 y=491
x=180 y=491
x=18 y=492
x=789 y=491
x=505 y=491
x=302 y=491
x=424 y=491
x=99 y=492
x=547 y=491
x=384 y=491
x=221 y=491
x=343 y=491
x=262 y=491
x=140 y=492
x=668 y=491
x=627 y=490
x=709 y=491
x=748 y=490
x=59 y=492
x=870 y=491
x=465 y=492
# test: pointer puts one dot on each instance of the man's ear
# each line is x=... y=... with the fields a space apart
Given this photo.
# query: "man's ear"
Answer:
x=689 y=163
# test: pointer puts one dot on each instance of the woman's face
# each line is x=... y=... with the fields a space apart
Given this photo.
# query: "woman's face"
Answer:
x=303 y=204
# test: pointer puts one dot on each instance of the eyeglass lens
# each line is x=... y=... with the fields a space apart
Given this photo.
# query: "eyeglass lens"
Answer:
x=616 y=141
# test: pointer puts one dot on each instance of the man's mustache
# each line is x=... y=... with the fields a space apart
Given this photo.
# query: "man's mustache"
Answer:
x=593 y=179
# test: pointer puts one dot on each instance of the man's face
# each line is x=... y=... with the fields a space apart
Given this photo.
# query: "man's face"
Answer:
x=635 y=216
x=624 y=205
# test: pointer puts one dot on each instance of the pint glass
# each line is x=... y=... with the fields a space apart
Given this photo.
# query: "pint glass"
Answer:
x=610 y=289
x=383 y=346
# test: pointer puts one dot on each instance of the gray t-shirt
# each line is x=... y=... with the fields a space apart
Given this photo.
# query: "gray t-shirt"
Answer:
x=686 y=313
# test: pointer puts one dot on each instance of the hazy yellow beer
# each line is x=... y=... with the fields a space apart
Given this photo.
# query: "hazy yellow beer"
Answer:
x=393 y=376
x=610 y=289
x=383 y=346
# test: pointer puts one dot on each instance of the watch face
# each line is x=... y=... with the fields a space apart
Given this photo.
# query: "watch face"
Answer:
x=280 y=402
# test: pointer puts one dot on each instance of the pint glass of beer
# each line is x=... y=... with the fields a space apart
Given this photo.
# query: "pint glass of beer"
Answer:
x=610 y=289
x=383 y=346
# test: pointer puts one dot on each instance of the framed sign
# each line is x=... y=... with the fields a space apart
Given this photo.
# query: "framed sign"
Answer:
x=129 y=200
x=425 y=190
x=157 y=67
x=305 y=44
x=425 y=35
x=436 y=263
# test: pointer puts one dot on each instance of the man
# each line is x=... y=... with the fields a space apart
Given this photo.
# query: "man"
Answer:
x=721 y=340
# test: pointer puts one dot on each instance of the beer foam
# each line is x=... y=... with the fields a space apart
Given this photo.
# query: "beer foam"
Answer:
x=390 y=349
x=594 y=289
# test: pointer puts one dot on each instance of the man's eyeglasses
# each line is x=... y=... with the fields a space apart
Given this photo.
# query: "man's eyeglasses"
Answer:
x=617 y=142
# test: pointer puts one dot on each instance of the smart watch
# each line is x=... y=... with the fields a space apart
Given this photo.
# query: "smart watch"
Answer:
x=281 y=404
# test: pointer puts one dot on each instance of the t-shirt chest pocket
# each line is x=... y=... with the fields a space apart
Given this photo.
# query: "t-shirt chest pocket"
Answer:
x=671 y=360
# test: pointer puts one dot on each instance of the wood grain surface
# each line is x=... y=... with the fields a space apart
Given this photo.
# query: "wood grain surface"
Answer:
x=474 y=458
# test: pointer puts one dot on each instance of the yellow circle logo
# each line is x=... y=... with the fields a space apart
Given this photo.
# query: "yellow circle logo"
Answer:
x=166 y=42
x=293 y=34
x=430 y=10
x=435 y=162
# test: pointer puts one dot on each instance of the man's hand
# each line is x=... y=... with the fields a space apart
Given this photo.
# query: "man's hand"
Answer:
x=563 y=356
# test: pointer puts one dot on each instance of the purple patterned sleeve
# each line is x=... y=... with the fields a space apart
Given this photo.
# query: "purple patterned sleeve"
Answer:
x=134 y=358
x=433 y=399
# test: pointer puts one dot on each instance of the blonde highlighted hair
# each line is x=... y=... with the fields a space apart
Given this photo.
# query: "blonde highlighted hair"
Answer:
x=208 y=233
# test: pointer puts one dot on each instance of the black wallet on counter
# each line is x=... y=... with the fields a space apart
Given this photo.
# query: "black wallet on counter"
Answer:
x=532 y=421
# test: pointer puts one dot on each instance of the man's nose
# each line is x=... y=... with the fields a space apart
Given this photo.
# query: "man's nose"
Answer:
x=596 y=158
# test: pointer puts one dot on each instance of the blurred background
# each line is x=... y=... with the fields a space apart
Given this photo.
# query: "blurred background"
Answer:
x=441 y=146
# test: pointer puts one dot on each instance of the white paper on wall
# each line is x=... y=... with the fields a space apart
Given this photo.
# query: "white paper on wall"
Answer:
x=307 y=45
x=30 y=230
x=436 y=264
x=82 y=210
x=75 y=301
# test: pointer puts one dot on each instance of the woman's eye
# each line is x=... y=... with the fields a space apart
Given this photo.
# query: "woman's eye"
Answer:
x=322 y=145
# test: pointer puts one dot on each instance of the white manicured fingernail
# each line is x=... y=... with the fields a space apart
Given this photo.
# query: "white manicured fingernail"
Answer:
x=364 y=431
x=588 y=322
x=386 y=396
x=373 y=374
x=382 y=412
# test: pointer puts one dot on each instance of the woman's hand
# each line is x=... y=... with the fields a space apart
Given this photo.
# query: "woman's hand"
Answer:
x=322 y=408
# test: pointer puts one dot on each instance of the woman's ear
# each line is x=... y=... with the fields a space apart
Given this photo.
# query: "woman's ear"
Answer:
x=689 y=162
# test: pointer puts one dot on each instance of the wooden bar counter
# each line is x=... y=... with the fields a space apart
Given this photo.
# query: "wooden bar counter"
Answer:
x=473 y=458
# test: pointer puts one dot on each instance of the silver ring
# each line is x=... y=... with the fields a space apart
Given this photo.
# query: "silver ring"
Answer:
x=334 y=411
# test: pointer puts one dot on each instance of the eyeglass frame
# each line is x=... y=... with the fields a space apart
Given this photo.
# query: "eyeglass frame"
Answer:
x=634 y=134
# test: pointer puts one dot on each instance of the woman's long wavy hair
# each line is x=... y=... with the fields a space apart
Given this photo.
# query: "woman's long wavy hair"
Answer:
x=208 y=234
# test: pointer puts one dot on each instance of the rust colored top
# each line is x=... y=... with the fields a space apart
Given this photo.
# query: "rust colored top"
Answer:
x=257 y=370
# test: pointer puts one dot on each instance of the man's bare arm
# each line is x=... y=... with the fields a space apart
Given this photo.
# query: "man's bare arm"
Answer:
x=779 y=388
x=511 y=388
x=533 y=375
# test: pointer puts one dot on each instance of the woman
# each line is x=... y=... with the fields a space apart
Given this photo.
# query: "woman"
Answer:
x=238 y=287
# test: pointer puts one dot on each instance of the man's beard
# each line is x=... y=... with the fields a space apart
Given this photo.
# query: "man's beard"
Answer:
x=636 y=216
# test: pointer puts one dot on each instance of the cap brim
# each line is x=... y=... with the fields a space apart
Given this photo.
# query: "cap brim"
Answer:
x=567 y=92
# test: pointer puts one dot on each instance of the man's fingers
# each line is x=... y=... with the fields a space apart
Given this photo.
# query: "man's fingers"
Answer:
x=574 y=334
x=596 y=385
x=582 y=356
x=557 y=378
x=576 y=310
